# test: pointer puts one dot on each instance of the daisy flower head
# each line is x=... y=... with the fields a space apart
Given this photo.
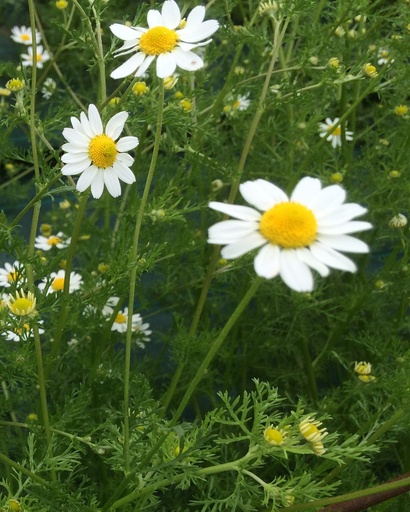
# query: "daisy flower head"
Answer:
x=22 y=304
x=23 y=35
x=41 y=56
x=308 y=230
x=57 y=282
x=22 y=333
x=120 y=322
x=46 y=243
x=96 y=153
x=333 y=135
x=141 y=330
x=168 y=38
x=12 y=274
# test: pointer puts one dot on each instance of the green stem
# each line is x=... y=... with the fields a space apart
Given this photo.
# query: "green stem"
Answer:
x=22 y=469
x=133 y=275
x=215 y=347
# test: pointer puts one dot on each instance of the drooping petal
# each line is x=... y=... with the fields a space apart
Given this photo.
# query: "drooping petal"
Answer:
x=188 y=61
x=127 y=143
x=97 y=185
x=95 y=119
x=112 y=182
x=267 y=260
x=125 y=159
x=242 y=246
x=123 y=32
x=124 y=173
x=262 y=194
x=144 y=65
x=332 y=258
x=75 y=148
x=307 y=257
x=294 y=272
x=75 y=158
x=72 y=169
x=198 y=33
x=129 y=66
x=87 y=177
x=116 y=124
x=229 y=231
x=166 y=64
x=171 y=14
x=236 y=211
x=344 y=243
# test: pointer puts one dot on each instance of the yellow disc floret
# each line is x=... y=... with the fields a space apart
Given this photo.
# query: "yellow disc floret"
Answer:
x=289 y=225
x=336 y=131
x=120 y=318
x=158 y=40
x=54 y=240
x=102 y=151
x=22 y=304
x=58 y=284
x=273 y=436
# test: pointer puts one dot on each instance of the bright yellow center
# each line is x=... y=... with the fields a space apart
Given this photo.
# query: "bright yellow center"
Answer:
x=336 y=131
x=120 y=318
x=158 y=40
x=289 y=225
x=273 y=435
x=38 y=57
x=58 y=284
x=102 y=151
x=20 y=305
x=12 y=276
x=53 y=240
x=25 y=37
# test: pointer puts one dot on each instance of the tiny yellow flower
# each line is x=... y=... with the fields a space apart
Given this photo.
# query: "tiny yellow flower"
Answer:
x=4 y=92
x=32 y=417
x=15 y=85
x=401 y=110
x=222 y=262
x=274 y=436
x=367 y=378
x=333 y=62
x=186 y=105
x=239 y=70
x=380 y=285
x=178 y=95
x=14 y=505
x=9 y=167
x=45 y=229
x=103 y=267
x=362 y=368
x=22 y=304
x=340 y=31
x=309 y=428
x=140 y=88
x=114 y=101
x=394 y=174
x=369 y=70
x=61 y=4
x=336 y=177
x=384 y=142
x=64 y=205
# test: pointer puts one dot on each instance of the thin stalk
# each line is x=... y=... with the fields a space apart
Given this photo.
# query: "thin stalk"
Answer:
x=24 y=471
x=133 y=275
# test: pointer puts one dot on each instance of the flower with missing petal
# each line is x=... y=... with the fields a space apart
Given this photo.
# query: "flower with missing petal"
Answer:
x=333 y=135
x=57 y=283
x=168 y=38
x=41 y=56
x=23 y=333
x=96 y=153
x=22 y=304
x=23 y=35
x=45 y=243
x=309 y=230
x=12 y=274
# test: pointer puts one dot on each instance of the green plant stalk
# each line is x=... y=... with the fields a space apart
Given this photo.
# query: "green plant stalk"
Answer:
x=214 y=348
x=24 y=471
x=100 y=57
x=133 y=275
x=277 y=41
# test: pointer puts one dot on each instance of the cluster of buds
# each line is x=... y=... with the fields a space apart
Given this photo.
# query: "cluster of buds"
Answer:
x=364 y=369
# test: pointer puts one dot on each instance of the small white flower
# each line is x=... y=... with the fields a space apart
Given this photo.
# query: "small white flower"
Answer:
x=384 y=57
x=169 y=39
x=23 y=333
x=45 y=243
x=23 y=35
x=57 y=282
x=41 y=56
x=12 y=274
x=97 y=154
x=48 y=88
x=140 y=328
x=336 y=136
x=307 y=231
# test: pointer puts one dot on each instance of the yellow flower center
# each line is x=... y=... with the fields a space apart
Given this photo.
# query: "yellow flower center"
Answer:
x=158 y=40
x=58 y=284
x=120 y=318
x=289 y=225
x=25 y=37
x=12 y=276
x=336 y=131
x=273 y=435
x=102 y=151
x=38 y=57
x=21 y=305
x=53 y=240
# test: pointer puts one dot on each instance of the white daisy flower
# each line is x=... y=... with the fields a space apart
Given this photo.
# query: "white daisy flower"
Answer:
x=48 y=88
x=384 y=57
x=97 y=154
x=23 y=35
x=141 y=329
x=12 y=274
x=120 y=323
x=22 y=333
x=45 y=243
x=169 y=38
x=307 y=230
x=41 y=56
x=57 y=282
x=334 y=137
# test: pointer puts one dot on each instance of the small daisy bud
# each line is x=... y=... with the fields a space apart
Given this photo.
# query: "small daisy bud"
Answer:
x=340 y=31
x=314 y=60
x=170 y=81
x=401 y=110
x=61 y=4
x=398 y=221
x=369 y=70
x=178 y=95
x=140 y=88
x=32 y=417
x=309 y=429
x=216 y=185
x=333 y=62
x=15 y=85
x=4 y=92
x=14 y=505
x=394 y=174
x=362 y=368
x=114 y=101
x=274 y=436
x=186 y=105
x=336 y=177
x=367 y=378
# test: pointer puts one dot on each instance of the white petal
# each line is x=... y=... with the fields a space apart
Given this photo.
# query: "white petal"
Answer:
x=344 y=229
x=242 y=246
x=328 y=200
x=123 y=32
x=307 y=257
x=196 y=16
x=262 y=194
x=95 y=120
x=125 y=159
x=266 y=262
x=332 y=258
x=144 y=65
x=72 y=169
x=115 y=125
x=129 y=66
x=78 y=126
x=127 y=143
x=75 y=137
x=294 y=272
x=112 y=182
x=188 y=61
x=229 y=231
x=124 y=173
x=85 y=125
x=87 y=178
x=97 y=186
x=154 y=19
x=75 y=158
x=344 y=243
x=342 y=214
x=171 y=14
x=166 y=64
x=236 y=211
x=306 y=190
x=199 y=33
x=75 y=148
